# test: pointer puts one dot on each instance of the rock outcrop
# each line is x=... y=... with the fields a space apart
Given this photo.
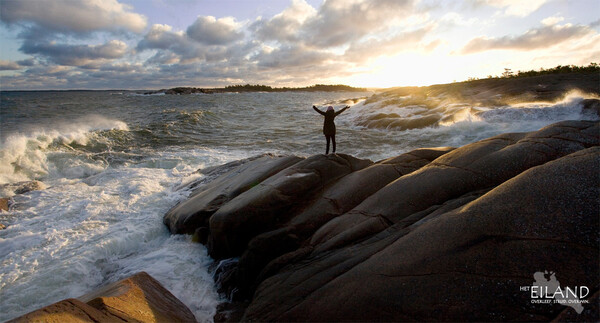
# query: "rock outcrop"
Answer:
x=139 y=298
x=331 y=202
x=466 y=264
x=11 y=189
x=4 y=203
x=275 y=201
x=433 y=234
x=194 y=213
x=21 y=187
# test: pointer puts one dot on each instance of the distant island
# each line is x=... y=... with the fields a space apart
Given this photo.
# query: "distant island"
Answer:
x=259 y=88
x=592 y=68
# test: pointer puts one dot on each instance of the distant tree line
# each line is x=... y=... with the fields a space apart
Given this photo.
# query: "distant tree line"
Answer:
x=259 y=88
x=313 y=88
x=560 y=69
x=248 y=88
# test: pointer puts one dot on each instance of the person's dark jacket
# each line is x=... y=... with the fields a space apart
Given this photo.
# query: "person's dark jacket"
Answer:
x=329 y=125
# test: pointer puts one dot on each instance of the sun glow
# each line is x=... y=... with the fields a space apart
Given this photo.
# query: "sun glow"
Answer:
x=404 y=70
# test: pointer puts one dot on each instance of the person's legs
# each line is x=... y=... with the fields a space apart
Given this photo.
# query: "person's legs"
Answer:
x=333 y=141
x=327 y=138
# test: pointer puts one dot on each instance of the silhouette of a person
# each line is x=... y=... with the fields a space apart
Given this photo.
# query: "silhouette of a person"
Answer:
x=329 y=125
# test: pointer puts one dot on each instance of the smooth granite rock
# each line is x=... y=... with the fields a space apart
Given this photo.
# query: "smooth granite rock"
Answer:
x=473 y=167
x=463 y=265
x=139 y=298
x=273 y=202
x=335 y=200
x=195 y=212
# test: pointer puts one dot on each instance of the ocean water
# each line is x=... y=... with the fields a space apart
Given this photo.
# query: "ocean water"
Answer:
x=110 y=162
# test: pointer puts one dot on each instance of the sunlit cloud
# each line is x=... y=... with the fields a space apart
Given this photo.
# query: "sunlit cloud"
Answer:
x=372 y=48
x=542 y=37
x=550 y=21
x=341 y=22
x=284 y=26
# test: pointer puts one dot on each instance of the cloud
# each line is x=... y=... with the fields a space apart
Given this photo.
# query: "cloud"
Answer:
x=76 y=55
x=452 y=19
x=48 y=29
x=335 y=23
x=372 y=48
x=122 y=68
x=172 y=47
x=552 y=20
x=211 y=31
x=162 y=37
x=177 y=47
x=338 y=22
x=9 y=65
x=537 y=38
x=68 y=16
x=284 y=26
x=27 y=62
x=292 y=56
x=520 y=8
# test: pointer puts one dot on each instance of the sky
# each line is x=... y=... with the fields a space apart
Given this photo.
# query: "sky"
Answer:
x=155 y=44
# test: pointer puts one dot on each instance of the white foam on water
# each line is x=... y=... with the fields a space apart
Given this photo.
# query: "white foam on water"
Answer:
x=82 y=233
x=25 y=156
x=460 y=124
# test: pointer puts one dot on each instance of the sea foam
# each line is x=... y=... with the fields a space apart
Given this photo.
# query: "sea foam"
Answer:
x=82 y=233
x=25 y=156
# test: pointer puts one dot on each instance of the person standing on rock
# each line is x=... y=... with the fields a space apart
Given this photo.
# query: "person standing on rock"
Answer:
x=329 y=125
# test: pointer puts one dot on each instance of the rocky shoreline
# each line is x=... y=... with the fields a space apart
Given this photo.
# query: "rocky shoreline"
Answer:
x=435 y=234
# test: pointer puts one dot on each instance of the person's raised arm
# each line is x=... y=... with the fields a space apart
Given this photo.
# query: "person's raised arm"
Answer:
x=317 y=109
x=344 y=109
